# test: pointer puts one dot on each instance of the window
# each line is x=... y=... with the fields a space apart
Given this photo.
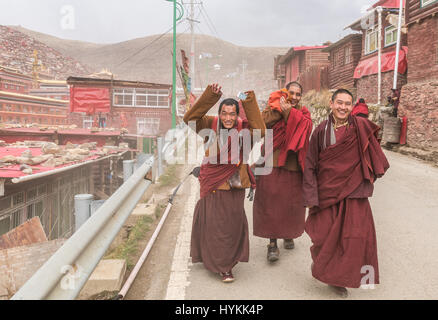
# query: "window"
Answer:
x=347 y=55
x=427 y=2
x=5 y=224
x=124 y=97
x=17 y=218
x=390 y=35
x=87 y=122
x=31 y=194
x=148 y=126
x=5 y=203
x=141 y=98
x=371 y=38
x=18 y=198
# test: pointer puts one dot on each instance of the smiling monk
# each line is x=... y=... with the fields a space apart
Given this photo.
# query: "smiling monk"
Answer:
x=343 y=162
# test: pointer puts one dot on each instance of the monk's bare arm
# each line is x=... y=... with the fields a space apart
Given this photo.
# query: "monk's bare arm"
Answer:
x=310 y=182
x=199 y=110
x=252 y=112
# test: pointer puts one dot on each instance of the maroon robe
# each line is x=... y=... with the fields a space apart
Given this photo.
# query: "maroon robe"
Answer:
x=278 y=210
x=338 y=179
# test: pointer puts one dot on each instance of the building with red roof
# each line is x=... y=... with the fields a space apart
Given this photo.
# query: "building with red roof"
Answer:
x=366 y=71
x=303 y=64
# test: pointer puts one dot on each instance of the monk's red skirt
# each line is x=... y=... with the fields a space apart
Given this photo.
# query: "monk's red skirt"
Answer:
x=220 y=236
x=344 y=250
x=278 y=210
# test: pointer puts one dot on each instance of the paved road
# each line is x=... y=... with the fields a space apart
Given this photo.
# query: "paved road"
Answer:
x=405 y=207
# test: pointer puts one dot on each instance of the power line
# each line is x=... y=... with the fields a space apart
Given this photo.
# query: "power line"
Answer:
x=167 y=43
x=147 y=45
x=209 y=20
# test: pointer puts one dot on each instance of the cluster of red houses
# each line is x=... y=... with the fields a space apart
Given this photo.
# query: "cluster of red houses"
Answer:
x=352 y=63
x=141 y=108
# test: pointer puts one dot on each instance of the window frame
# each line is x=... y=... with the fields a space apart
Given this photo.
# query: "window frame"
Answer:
x=392 y=32
x=368 y=34
x=425 y=3
x=145 y=93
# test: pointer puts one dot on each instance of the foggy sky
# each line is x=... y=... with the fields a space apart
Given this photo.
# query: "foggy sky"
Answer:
x=282 y=23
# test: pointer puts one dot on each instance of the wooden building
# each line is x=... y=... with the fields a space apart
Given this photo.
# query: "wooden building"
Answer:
x=366 y=72
x=344 y=57
x=418 y=100
x=49 y=192
x=141 y=107
x=296 y=62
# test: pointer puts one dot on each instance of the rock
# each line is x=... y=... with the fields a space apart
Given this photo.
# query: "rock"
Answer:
x=27 y=171
x=27 y=154
x=70 y=145
x=8 y=159
x=24 y=166
x=50 y=147
x=3 y=144
x=40 y=159
x=23 y=160
x=84 y=152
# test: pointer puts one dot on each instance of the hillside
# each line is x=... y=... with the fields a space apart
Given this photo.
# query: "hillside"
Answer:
x=17 y=49
x=153 y=64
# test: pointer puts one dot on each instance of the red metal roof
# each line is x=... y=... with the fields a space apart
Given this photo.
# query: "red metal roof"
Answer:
x=87 y=132
x=302 y=48
x=28 y=130
x=77 y=131
x=13 y=171
x=391 y=4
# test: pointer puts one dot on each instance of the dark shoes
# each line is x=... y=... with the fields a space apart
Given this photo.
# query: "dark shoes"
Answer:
x=227 y=277
x=289 y=244
x=273 y=253
x=340 y=291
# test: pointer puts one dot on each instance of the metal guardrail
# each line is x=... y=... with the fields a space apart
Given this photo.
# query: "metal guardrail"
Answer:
x=63 y=276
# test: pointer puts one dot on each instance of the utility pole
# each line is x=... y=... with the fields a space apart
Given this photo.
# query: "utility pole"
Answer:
x=176 y=7
x=243 y=65
x=192 y=47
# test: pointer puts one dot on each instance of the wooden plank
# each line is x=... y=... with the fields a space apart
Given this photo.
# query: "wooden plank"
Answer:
x=27 y=233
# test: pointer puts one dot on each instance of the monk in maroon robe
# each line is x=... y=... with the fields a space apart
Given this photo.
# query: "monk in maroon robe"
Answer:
x=278 y=210
x=220 y=236
x=343 y=162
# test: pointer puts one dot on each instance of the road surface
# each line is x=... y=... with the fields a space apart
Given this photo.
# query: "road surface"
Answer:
x=405 y=209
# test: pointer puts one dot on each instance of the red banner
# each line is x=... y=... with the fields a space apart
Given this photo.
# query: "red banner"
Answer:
x=370 y=66
x=89 y=100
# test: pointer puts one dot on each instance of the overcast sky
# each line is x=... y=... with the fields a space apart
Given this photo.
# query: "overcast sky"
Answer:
x=282 y=23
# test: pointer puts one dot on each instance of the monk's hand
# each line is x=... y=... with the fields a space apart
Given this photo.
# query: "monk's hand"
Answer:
x=216 y=88
x=284 y=105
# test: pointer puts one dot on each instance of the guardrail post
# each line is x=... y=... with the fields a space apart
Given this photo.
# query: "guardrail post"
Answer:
x=160 y=156
x=128 y=169
x=82 y=209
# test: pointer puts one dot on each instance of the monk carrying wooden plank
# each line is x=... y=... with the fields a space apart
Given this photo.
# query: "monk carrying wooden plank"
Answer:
x=220 y=236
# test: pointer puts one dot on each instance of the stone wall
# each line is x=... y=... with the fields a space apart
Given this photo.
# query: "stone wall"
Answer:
x=419 y=103
x=318 y=104
x=367 y=86
x=423 y=49
x=17 y=265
